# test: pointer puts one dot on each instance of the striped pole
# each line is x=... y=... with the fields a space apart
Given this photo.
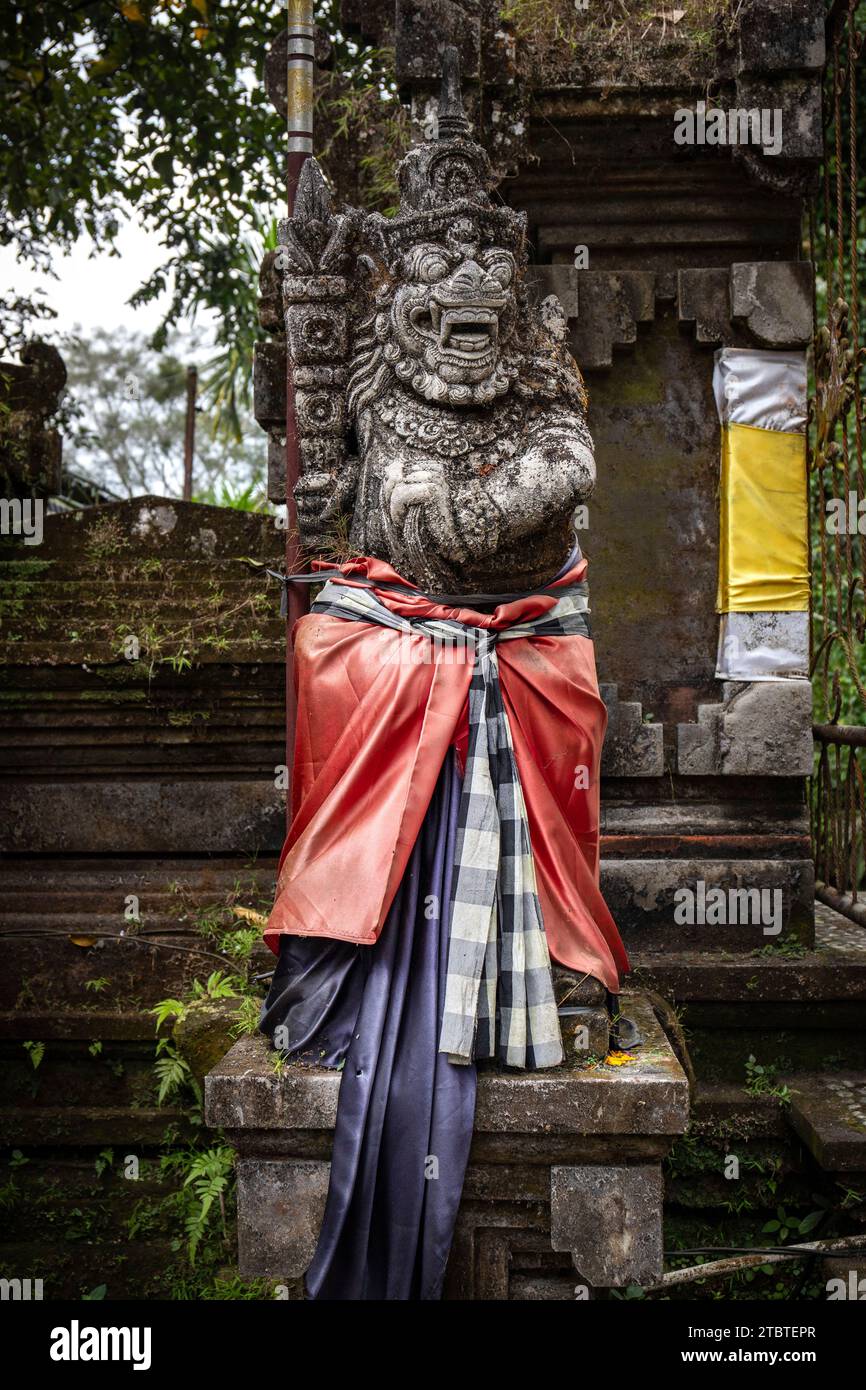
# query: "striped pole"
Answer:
x=299 y=90
x=299 y=104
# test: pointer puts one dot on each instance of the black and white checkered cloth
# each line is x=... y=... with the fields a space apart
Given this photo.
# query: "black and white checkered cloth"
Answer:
x=499 y=998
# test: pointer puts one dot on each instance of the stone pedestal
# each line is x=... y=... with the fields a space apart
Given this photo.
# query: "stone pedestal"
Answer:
x=563 y=1188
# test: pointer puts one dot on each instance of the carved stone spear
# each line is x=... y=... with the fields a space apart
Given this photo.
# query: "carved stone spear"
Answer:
x=299 y=123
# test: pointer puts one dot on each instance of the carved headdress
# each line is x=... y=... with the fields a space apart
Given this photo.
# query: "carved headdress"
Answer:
x=447 y=178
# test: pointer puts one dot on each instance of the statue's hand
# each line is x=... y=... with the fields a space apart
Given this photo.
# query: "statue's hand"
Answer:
x=412 y=484
x=321 y=495
x=312 y=494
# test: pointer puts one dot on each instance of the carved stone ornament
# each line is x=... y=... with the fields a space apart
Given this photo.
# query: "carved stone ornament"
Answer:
x=441 y=419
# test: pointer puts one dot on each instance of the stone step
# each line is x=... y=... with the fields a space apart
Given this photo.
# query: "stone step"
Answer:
x=202 y=877
x=133 y=572
x=834 y=970
x=266 y=648
x=237 y=811
x=828 y=1111
x=65 y=680
x=723 y=1110
x=71 y=1025
x=156 y=749
x=71 y=1076
x=83 y=604
x=96 y=1206
x=84 y=585
x=56 y=963
x=728 y=1047
x=87 y=616
x=51 y=978
x=129 y=1270
x=173 y=920
x=91 y=1126
x=16 y=572
x=73 y=715
x=26 y=643
x=125 y=533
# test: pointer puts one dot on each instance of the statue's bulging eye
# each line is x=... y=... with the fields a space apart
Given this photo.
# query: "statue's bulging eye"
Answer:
x=432 y=266
x=500 y=265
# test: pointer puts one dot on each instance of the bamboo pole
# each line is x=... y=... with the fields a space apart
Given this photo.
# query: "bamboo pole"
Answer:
x=299 y=119
x=719 y=1268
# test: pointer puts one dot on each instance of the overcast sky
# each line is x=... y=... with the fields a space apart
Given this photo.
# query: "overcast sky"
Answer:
x=92 y=291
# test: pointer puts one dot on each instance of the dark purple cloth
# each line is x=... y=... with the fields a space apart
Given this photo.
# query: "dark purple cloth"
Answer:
x=405 y=1113
x=315 y=995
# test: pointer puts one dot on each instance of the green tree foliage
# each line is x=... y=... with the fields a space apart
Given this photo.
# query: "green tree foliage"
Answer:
x=158 y=107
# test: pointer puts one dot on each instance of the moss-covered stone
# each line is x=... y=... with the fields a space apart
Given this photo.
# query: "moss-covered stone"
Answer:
x=206 y=1032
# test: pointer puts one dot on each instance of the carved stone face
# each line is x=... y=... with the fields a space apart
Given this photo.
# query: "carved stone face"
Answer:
x=451 y=316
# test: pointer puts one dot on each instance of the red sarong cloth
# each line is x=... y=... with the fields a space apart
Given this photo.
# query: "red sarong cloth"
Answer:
x=372 y=733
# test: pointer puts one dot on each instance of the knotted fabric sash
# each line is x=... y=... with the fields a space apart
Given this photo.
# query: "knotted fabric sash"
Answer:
x=498 y=961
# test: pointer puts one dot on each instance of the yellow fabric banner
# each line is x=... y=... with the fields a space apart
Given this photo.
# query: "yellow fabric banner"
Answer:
x=763 y=522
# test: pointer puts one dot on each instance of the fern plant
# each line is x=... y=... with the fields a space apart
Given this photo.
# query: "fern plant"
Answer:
x=207 y=1177
x=173 y=1073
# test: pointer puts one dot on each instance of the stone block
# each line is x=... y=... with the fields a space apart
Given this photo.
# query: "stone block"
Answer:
x=585 y=1033
x=773 y=299
x=760 y=729
x=561 y=280
x=244 y=1093
x=321 y=411
x=684 y=823
x=281 y=1203
x=646 y=899
x=649 y=1097
x=317 y=333
x=631 y=747
x=573 y=989
x=800 y=102
x=30 y=394
x=269 y=384
x=610 y=307
x=610 y=1220
x=277 y=465
x=828 y=1111
x=781 y=36
x=424 y=27
x=703 y=299
x=270 y=304
x=767 y=302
